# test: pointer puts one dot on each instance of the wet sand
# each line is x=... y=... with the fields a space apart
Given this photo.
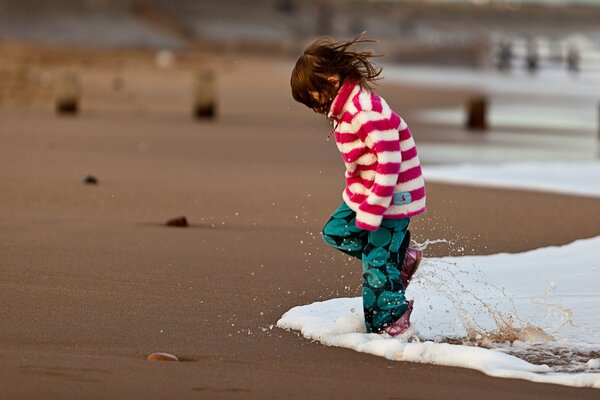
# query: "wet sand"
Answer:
x=92 y=281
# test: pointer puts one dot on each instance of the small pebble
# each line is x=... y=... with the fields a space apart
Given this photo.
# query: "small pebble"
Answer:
x=162 y=357
x=90 y=180
x=177 y=221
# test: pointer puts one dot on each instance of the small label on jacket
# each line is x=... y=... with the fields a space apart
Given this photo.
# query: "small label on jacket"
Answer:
x=402 y=198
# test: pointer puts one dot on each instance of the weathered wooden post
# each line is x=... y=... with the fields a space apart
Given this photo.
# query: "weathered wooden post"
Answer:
x=505 y=56
x=573 y=59
x=204 y=94
x=532 y=57
x=324 y=18
x=286 y=6
x=598 y=127
x=477 y=113
x=67 y=95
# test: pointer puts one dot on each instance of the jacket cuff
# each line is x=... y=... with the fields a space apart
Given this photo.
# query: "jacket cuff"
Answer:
x=372 y=225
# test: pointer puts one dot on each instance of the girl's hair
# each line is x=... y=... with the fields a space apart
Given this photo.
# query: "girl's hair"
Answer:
x=325 y=58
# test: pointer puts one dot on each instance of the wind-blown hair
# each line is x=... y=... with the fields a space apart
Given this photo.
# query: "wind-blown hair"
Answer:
x=325 y=58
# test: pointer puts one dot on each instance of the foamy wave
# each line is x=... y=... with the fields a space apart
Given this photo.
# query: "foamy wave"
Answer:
x=531 y=315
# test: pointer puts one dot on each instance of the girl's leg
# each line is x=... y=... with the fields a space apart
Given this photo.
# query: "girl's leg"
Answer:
x=383 y=293
x=382 y=253
x=341 y=233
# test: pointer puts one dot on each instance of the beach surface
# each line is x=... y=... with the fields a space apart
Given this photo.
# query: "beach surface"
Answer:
x=92 y=281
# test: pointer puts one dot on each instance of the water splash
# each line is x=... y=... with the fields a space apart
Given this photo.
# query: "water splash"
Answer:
x=491 y=319
x=561 y=358
x=422 y=246
x=555 y=311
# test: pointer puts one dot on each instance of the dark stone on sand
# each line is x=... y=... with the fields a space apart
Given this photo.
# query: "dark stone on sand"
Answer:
x=90 y=180
x=177 y=221
x=162 y=357
x=67 y=107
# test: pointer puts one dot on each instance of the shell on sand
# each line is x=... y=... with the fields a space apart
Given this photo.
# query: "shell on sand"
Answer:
x=162 y=357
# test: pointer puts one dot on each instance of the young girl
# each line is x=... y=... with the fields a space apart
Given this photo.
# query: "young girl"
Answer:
x=384 y=184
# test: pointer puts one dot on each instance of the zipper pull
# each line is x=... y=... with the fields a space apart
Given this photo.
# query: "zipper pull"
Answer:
x=334 y=124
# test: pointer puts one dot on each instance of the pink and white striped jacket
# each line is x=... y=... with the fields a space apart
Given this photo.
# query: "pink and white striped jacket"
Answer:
x=383 y=172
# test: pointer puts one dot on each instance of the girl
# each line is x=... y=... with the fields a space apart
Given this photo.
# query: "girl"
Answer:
x=384 y=184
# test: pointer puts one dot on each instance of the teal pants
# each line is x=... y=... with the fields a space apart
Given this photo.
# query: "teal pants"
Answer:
x=382 y=254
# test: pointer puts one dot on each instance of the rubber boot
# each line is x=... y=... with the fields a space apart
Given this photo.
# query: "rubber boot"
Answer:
x=402 y=324
x=412 y=259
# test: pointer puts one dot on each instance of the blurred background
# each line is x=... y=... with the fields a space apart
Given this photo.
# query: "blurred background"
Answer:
x=511 y=68
x=468 y=32
x=118 y=117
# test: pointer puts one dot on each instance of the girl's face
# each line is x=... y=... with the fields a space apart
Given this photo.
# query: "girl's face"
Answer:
x=320 y=98
x=325 y=97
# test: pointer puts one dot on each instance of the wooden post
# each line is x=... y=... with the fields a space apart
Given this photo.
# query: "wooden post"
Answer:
x=477 y=113
x=204 y=94
x=68 y=93
x=324 y=18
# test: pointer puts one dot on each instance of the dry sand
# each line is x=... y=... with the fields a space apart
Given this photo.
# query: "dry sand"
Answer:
x=92 y=281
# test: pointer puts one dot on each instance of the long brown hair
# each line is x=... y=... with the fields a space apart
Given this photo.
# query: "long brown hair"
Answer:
x=325 y=58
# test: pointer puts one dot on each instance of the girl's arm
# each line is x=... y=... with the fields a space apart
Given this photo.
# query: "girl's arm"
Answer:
x=380 y=132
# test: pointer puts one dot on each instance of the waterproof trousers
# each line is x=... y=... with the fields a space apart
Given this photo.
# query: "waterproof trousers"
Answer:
x=382 y=254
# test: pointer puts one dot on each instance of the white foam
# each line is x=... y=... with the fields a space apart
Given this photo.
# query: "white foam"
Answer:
x=580 y=178
x=546 y=297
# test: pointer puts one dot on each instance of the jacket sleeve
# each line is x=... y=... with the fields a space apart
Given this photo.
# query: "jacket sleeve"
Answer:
x=380 y=134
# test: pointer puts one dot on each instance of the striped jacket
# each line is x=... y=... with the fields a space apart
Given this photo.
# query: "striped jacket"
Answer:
x=383 y=172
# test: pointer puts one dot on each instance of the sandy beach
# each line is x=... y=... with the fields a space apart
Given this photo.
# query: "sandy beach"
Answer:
x=92 y=281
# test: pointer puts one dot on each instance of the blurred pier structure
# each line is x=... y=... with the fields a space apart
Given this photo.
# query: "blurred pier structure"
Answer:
x=143 y=58
x=560 y=43
x=441 y=33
